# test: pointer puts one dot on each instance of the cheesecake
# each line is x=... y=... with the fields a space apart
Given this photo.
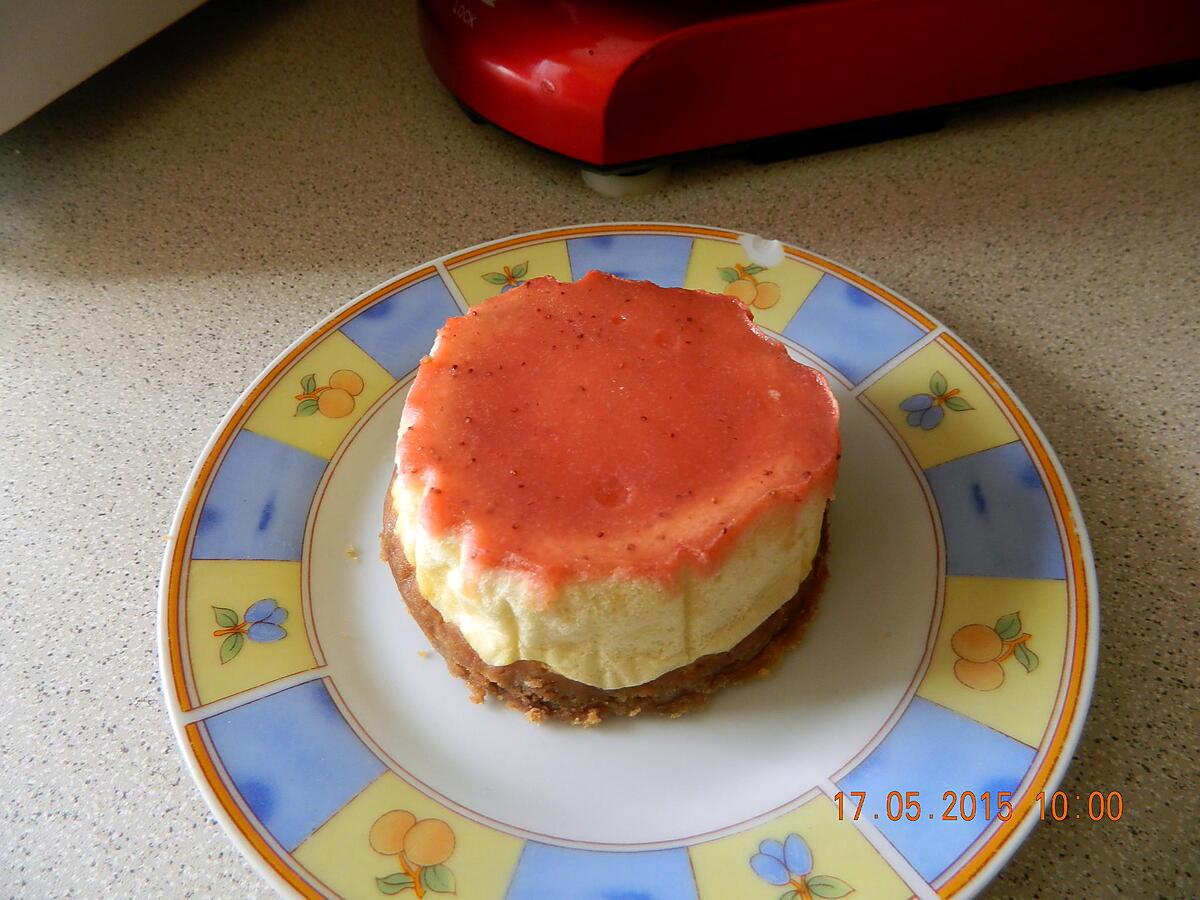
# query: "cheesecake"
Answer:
x=610 y=497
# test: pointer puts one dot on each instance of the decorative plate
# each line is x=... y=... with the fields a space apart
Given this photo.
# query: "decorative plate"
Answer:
x=897 y=752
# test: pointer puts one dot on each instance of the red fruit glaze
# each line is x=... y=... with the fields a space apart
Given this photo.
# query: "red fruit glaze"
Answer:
x=580 y=429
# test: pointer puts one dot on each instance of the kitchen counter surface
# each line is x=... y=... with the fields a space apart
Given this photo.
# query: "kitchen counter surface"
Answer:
x=170 y=225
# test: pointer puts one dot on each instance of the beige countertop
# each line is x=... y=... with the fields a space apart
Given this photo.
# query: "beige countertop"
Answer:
x=169 y=226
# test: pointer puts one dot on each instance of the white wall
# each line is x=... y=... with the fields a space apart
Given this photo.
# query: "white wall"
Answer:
x=49 y=46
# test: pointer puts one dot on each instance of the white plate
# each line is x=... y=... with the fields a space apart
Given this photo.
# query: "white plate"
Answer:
x=311 y=717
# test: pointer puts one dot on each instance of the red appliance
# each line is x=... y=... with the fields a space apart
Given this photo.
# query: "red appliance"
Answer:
x=614 y=84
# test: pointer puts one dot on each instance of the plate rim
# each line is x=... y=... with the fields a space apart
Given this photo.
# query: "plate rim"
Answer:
x=961 y=882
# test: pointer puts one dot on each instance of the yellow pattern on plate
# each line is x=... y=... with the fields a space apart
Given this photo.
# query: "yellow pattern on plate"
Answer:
x=981 y=656
x=957 y=432
x=487 y=277
x=218 y=587
x=772 y=294
x=384 y=833
x=314 y=404
x=839 y=852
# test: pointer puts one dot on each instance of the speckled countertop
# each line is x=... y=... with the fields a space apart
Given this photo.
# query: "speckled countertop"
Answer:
x=169 y=226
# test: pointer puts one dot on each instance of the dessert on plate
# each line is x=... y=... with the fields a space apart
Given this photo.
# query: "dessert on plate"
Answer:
x=610 y=497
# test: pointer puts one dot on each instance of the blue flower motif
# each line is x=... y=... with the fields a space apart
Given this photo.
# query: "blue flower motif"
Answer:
x=265 y=611
x=777 y=863
x=771 y=848
x=264 y=619
x=917 y=403
x=769 y=869
x=262 y=623
x=926 y=411
x=790 y=863
x=922 y=413
x=796 y=855
x=265 y=632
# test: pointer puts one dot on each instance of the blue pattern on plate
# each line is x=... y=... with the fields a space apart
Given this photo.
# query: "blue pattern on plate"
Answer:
x=293 y=759
x=932 y=750
x=850 y=329
x=399 y=329
x=997 y=516
x=555 y=873
x=259 y=500
x=656 y=258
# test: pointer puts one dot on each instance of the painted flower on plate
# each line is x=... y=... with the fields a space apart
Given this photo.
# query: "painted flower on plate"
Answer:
x=509 y=278
x=262 y=623
x=789 y=864
x=926 y=411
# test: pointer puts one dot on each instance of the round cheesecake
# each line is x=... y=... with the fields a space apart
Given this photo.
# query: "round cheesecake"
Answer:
x=609 y=497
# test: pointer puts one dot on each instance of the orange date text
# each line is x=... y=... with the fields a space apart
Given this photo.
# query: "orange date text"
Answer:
x=966 y=806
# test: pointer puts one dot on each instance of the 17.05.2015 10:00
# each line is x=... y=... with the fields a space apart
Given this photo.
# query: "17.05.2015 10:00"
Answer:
x=967 y=805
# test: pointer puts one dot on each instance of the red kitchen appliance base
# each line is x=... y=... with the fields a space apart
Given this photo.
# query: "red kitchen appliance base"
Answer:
x=618 y=86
